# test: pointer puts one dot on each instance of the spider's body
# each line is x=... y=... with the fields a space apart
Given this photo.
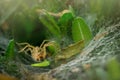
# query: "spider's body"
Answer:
x=37 y=53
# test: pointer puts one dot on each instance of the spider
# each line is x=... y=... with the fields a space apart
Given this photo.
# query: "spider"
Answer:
x=38 y=53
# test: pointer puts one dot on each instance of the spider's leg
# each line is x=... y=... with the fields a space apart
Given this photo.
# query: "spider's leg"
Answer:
x=44 y=52
x=44 y=48
x=43 y=43
x=29 y=49
x=23 y=49
x=20 y=44
x=27 y=46
x=26 y=51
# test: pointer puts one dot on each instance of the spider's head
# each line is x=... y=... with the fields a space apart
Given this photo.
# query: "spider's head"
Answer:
x=38 y=57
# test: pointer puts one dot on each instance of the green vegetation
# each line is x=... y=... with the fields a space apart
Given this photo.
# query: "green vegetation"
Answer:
x=66 y=25
x=8 y=63
x=81 y=31
x=10 y=50
x=72 y=31
x=42 y=64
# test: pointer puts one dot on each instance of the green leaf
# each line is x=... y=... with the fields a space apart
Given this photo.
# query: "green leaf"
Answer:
x=65 y=18
x=80 y=30
x=49 y=22
x=45 y=63
x=10 y=50
x=65 y=22
x=54 y=48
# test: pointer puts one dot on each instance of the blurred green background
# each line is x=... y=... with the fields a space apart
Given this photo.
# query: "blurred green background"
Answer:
x=20 y=20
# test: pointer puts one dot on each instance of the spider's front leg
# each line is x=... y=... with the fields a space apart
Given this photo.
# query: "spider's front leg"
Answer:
x=43 y=43
x=51 y=43
x=28 y=47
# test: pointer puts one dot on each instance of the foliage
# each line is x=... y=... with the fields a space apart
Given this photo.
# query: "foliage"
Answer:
x=41 y=64
x=81 y=31
x=21 y=15
x=51 y=25
x=9 y=54
x=62 y=28
x=66 y=25
x=7 y=62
